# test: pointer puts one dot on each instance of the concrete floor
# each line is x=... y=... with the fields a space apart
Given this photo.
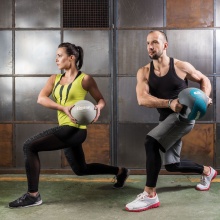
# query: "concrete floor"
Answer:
x=86 y=198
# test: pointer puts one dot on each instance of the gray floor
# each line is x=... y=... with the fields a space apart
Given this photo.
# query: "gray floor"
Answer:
x=86 y=198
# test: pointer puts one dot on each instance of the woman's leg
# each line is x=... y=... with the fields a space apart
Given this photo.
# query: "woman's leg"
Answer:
x=44 y=141
x=76 y=158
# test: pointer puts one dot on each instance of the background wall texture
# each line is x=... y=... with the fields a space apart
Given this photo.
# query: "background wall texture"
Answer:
x=113 y=36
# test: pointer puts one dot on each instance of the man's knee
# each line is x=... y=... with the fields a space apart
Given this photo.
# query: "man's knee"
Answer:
x=151 y=144
x=173 y=167
x=79 y=172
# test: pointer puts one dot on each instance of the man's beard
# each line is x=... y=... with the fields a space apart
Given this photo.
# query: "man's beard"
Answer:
x=156 y=56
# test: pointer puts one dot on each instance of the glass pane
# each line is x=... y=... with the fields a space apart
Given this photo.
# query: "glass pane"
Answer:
x=26 y=107
x=132 y=51
x=217 y=149
x=140 y=13
x=189 y=45
x=217 y=11
x=218 y=99
x=6 y=52
x=36 y=14
x=96 y=49
x=131 y=138
x=6 y=14
x=129 y=110
x=217 y=51
x=5 y=99
x=35 y=52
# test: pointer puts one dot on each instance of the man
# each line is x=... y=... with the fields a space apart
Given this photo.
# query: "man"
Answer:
x=158 y=86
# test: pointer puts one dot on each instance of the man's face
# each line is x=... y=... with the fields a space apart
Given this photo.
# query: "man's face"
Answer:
x=155 y=45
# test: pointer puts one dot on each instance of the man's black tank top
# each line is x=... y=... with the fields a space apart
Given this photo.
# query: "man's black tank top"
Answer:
x=166 y=87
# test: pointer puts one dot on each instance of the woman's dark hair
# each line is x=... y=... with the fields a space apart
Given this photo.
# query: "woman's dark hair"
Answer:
x=77 y=51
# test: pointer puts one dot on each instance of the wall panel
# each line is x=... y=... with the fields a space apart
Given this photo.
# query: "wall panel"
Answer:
x=95 y=44
x=217 y=51
x=136 y=14
x=129 y=110
x=6 y=14
x=37 y=14
x=198 y=145
x=6 y=111
x=6 y=52
x=184 y=45
x=6 y=148
x=132 y=51
x=190 y=14
x=35 y=52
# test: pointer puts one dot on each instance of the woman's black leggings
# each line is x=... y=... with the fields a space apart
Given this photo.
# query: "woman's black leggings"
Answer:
x=153 y=164
x=63 y=137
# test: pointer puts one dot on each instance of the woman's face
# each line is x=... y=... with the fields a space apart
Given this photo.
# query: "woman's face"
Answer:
x=64 y=61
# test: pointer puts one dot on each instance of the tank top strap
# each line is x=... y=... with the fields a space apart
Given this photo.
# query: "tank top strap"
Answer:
x=171 y=63
x=151 y=67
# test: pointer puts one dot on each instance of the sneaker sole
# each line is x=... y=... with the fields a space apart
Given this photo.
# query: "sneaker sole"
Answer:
x=128 y=173
x=35 y=204
x=206 y=189
x=156 y=205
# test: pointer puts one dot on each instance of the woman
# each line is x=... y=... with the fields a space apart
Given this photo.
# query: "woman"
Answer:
x=67 y=89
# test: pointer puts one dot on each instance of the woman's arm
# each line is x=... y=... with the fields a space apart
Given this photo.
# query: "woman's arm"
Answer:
x=90 y=85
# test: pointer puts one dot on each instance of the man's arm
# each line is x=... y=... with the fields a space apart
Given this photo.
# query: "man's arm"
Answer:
x=196 y=76
x=144 y=97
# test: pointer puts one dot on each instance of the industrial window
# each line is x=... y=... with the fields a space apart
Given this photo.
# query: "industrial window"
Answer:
x=85 y=13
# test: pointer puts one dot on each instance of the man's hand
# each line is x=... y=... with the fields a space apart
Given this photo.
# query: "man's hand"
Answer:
x=176 y=106
x=209 y=101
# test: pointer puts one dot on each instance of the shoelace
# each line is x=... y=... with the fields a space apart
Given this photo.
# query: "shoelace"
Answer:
x=22 y=198
x=203 y=180
x=141 y=196
x=114 y=179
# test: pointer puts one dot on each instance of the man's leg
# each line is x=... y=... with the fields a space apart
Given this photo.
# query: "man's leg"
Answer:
x=149 y=199
x=173 y=163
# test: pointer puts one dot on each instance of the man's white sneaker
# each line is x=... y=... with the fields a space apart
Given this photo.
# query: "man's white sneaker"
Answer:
x=142 y=203
x=205 y=181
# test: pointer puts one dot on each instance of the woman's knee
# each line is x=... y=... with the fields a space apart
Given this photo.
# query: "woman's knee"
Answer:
x=27 y=146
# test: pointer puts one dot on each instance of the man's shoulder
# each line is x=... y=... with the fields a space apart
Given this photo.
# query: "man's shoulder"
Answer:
x=179 y=62
x=145 y=69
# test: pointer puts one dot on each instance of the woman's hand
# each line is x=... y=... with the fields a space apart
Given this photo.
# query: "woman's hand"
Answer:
x=98 y=110
x=67 y=111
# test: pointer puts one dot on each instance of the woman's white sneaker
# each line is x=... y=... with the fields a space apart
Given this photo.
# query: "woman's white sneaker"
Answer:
x=142 y=203
x=205 y=181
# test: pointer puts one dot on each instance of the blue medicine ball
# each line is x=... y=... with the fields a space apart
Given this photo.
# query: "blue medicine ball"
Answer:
x=194 y=102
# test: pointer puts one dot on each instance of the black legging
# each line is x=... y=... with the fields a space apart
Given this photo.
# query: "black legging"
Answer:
x=153 y=164
x=63 y=137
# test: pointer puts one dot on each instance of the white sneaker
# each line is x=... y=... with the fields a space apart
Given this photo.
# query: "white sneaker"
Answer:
x=205 y=181
x=142 y=203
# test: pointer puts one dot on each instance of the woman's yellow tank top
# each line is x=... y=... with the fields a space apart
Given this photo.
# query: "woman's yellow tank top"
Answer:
x=68 y=95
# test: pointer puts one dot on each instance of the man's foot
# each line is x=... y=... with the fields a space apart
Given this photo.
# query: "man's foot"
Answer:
x=26 y=201
x=121 y=178
x=205 y=181
x=142 y=203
